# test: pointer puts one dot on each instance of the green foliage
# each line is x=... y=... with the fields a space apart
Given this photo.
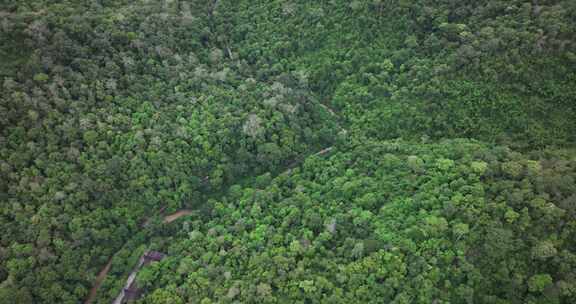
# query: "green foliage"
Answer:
x=490 y=70
x=440 y=232
x=113 y=110
x=539 y=282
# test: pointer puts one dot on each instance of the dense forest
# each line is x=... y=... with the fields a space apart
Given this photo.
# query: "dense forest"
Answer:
x=366 y=151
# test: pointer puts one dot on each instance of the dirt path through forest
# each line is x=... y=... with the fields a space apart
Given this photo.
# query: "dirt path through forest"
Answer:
x=99 y=279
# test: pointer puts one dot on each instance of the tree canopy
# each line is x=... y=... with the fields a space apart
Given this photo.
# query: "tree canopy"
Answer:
x=330 y=151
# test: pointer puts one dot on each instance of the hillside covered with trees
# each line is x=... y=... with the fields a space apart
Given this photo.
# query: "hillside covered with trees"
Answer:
x=377 y=151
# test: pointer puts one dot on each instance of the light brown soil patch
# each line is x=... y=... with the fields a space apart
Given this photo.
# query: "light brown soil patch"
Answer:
x=174 y=216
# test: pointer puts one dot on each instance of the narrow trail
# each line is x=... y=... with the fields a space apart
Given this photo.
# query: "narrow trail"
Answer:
x=99 y=279
x=185 y=212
